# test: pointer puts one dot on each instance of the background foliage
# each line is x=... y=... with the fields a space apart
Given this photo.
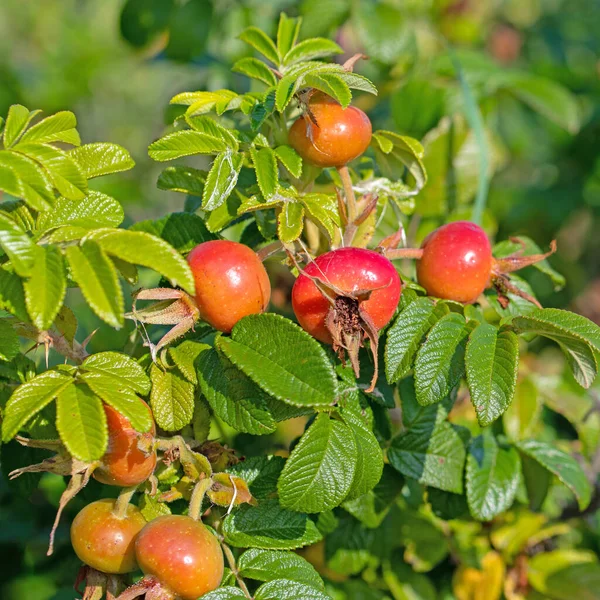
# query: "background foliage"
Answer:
x=532 y=67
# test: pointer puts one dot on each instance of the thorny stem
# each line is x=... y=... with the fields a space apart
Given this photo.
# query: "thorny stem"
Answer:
x=348 y=193
x=198 y=496
x=125 y=496
x=232 y=565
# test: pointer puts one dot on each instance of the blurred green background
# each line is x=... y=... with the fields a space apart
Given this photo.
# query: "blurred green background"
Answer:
x=532 y=65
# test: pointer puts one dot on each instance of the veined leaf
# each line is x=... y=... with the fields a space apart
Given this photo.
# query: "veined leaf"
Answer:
x=225 y=593
x=171 y=398
x=266 y=565
x=97 y=277
x=282 y=359
x=332 y=84
x=269 y=526
x=221 y=179
x=561 y=464
x=182 y=179
x=232 y=396
x=46 y=286
x=17 y=120
x=492 y=364
x=183 y=231
x=102 y=158
x=493 y=475
x=311 y=49
x=60 y=127
x=9 y=341
x=92 y=211
x=323 y=210
x=287 y=33
x=261 y=42
x=290 y=159
x=64 y=172
x=208 y=125
x=33 y=183
x=140 y=248
x=252 y=67
x=406 y=334
x=12 y=296
x=30 y=398
x=18 y=246
x=286 y=88
x=265 y=165
x=185 y=143
x=439 y=364
x=290 y=222
x=81 y=422
x=318 y=474
x=120 y=367
x=285 y=588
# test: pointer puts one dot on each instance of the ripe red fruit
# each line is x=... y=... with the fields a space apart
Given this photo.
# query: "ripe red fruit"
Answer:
x=328 y=135
x=126 y=463
x=345 y=296
x=182 y=554
x=456 y=263
x=105 y=541
x=231 y=282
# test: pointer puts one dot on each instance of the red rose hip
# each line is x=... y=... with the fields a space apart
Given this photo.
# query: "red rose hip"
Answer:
x=456 y=263
x=105 y=541
x=231 y=282
x=182 y=554
x=329 y=135
x=125 y=462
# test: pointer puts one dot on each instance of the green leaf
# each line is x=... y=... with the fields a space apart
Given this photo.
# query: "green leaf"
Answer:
x=97 y=277
x=405 y=584
x=261 y=473
x=286 y=88
x=81 y=422
x=319 y=473
x=152 y=508
x=285 y=589
x=16 y=122
x=439 y=364
x=9 y=182
x=265 y=165
x=60 y=127
x=408 y=152
x=432 y=454
x=32 y=183
x=232 y=396
x=172 y=399
x=206 y=124
x=252 y=67
x=282 y=359
x=102 y=158
x=290 y=222
x=119 y=395
x=267 y=565
x=185 y=143
x=492 y=364
x=290 y=159
x=261 y=42
x=18 y=246
x=92 y=211
x=221 y=179
x=182 y=179
x=12 y=295
x=30 y=398
x=406 y=335
x=225 y=593
x=528 y=246
x=287 y=33
x=46 y=286
x=120 y=367
x=201 y=422
x=143 y=249
x=537 y=481
x=577 y=337
x=269 y=526
x=323 y=210
x=183 y=231
x=65 y=173
x=561 y=464
x=492 y=477
x=9 y=341
x=185 y=356
x=311 y=49
x=357 y=82
x=332 y=84
x=369 y=463
x=574 y=580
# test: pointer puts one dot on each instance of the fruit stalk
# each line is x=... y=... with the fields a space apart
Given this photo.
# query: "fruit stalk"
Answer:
x=198 y=496
x=123 y=500
x=233 y=566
